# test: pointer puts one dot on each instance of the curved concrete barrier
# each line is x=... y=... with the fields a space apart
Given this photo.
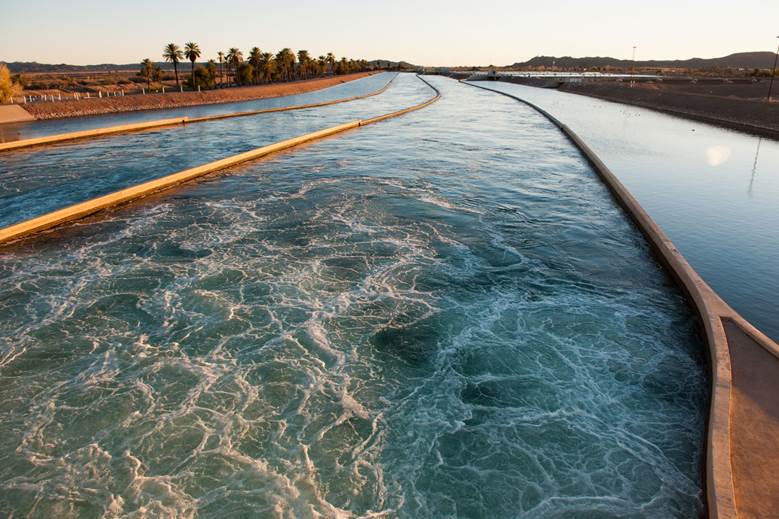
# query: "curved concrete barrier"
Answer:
x=82 y=209
x=97 y=132
x=742 y=459
x=126 y=128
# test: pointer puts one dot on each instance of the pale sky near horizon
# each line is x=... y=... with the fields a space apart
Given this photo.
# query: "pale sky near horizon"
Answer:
x=433 y=32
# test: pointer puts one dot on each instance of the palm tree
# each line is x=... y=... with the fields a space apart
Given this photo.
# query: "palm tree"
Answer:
x=303 y=60
x=285 y=60
x=330 y=62
x=147 y=71
x=255 y=59
x=173 y=54
x=234 y=58
x=321 y=62
x=268 y=65
x=192 y=52
x=221 y=60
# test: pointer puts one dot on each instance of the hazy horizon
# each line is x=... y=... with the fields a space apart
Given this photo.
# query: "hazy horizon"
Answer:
x=436 y=33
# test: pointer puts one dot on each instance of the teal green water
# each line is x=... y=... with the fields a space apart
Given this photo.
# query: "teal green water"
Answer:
x=443 y=315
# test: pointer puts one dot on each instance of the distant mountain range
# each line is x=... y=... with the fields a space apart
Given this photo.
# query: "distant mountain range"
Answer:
x=28 y=67
x=385 y=63
x=33 y=66
x=747 y=60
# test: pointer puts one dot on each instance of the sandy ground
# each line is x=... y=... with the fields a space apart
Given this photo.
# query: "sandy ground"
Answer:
x=93 y=106
x=13 y=114
x=729 y=110
x=736 y=106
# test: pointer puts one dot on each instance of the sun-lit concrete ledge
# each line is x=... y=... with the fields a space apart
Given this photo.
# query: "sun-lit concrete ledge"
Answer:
x=85 y=134
x=742 y=460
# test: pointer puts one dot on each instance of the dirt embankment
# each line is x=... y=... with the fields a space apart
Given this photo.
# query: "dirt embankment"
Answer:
x=743 y=112
x=95 y=106
x=739 y=106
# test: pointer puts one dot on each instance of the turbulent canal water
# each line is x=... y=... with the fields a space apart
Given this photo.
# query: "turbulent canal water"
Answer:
x=715 y=192
x=439 y=315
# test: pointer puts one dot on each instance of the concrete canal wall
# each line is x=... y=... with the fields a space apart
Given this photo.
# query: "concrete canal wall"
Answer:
x=741 y=456
x=14 y=114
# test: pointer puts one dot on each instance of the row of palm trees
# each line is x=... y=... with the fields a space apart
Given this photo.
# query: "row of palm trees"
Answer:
x=260 y=67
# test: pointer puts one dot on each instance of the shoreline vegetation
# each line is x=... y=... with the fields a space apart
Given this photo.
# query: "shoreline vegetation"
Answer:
x=229 y=77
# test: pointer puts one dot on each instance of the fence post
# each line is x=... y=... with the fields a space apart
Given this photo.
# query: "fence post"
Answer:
x=163 y=89
x=123 y=92
x=100 y=94
x=143 y=91
x=181 y=88
x=198 y=88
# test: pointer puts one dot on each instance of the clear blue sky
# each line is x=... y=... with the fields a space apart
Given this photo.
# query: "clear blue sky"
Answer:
x=425 y=32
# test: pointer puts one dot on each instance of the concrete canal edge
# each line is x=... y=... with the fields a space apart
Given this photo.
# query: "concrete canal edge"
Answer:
x=160 y=123
x=14 y=114
x=85 y=134
x=743 y=427
x=123 y=196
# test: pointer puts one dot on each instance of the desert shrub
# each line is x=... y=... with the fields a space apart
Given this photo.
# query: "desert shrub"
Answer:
x=7 y=87
x=204 y=78
x=244 y=74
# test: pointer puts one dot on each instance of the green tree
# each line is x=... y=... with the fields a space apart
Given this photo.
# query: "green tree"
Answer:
x=285 y=64
x=172 y=53
x=147 y=71
x=244 y=74
x=204 y=77
x=321 y=63
x=192 y=53
x=330 y=62
x=221 y=56
x=211 y=67
x=303 y=64
x=268 y=66
x=255 y=60
x=234 y=58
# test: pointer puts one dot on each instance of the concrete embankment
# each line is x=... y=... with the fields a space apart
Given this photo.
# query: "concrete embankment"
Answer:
x=14 y=114
x=98 y=132
x=171 y=99
x=743 y=428
x=83 y=209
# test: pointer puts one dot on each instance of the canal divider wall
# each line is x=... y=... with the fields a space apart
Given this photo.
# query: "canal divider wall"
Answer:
x=123 y=196
x=744 y=411
x=161 y=123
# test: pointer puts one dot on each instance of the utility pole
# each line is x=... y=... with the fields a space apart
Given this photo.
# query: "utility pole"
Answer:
x=773 y=73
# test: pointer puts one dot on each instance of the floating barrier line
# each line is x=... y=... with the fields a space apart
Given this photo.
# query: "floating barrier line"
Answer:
x=160 y=123
x=715 y=314
x=122 y=196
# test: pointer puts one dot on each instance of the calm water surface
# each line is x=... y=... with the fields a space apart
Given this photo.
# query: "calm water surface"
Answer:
x=715 y=192
x=416 y=319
